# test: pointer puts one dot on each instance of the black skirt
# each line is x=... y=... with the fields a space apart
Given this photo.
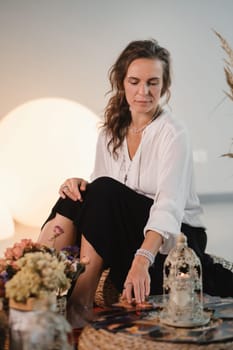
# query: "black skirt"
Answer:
x=112 y=218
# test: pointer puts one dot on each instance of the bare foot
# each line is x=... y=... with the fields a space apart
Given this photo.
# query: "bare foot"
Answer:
x=79 y=316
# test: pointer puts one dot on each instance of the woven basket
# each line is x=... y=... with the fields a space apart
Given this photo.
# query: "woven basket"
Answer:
x=225 y=263
x=103 y=340
x=106 y=293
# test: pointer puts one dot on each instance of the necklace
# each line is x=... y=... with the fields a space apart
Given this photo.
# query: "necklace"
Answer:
x=139 y=130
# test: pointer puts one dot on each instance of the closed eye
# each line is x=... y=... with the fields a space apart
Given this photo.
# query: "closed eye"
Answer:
x=153 y=82
x=133 y=81
x=150 y=82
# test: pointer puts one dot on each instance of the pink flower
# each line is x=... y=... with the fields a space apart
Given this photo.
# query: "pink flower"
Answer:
x=18 y=248
x=18 y=252
x=9 y=253
x=2 y=265
x=26 y=242
x=14 y=265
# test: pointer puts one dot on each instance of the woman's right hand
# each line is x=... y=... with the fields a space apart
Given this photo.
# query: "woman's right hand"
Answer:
x=72 y=188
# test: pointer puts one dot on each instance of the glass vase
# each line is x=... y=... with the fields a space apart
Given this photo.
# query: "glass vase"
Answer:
x=36 y=325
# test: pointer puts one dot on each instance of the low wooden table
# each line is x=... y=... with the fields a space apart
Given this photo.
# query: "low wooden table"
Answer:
x=121 y=329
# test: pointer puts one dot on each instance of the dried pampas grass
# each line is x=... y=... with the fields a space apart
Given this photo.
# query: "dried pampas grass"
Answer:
x=228 y=69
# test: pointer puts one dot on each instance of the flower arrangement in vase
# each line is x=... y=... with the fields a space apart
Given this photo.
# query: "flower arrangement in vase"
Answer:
x=31 y=270
x=39 y=274
x=33 y=278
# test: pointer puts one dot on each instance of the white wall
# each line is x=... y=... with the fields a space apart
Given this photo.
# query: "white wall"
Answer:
x=218 y=219
x=64 y=48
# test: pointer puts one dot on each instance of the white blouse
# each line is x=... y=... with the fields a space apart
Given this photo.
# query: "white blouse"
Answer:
x=161 y=169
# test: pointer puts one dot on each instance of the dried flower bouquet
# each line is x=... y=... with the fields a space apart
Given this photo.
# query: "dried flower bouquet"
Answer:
x=30 y=269
x=228 y=69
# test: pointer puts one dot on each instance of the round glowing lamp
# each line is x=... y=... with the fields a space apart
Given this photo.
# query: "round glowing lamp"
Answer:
x=43 y=142
x=7 y=227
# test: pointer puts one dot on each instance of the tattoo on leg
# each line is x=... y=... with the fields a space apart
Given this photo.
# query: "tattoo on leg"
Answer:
x=58 y=230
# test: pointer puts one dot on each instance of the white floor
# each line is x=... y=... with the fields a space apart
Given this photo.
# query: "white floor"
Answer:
x=218 y=218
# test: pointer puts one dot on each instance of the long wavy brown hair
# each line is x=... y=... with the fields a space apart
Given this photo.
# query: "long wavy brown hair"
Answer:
x=117 y=116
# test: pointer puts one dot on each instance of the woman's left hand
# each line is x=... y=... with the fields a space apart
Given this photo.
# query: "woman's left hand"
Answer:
x=137 y=283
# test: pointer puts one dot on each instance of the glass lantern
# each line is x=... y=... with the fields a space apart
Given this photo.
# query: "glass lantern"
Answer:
x=182 y=287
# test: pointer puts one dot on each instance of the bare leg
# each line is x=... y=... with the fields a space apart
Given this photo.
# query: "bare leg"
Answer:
x=58 y=233
x=80 y=304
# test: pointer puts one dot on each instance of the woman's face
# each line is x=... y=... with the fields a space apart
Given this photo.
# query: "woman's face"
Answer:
x=143 y=84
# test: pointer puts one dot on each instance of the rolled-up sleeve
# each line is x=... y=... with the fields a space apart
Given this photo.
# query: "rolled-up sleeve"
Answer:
x=173 y=183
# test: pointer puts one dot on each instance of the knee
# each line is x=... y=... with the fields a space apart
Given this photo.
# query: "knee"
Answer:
x=104 y=185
